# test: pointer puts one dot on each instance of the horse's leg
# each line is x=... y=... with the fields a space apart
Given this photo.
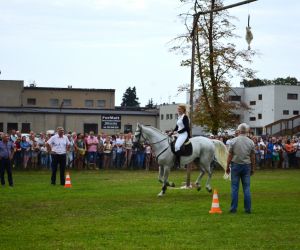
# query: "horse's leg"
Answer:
x=165 y=180
x=209 y=172
x=161 y=174
x=198 y=181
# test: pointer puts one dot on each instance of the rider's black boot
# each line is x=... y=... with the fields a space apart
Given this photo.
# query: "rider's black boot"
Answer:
x=177 y=160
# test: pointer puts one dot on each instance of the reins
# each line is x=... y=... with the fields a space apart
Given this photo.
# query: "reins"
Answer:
x=153 y=143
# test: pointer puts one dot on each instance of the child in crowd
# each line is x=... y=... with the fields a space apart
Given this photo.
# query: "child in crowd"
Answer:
x=34 y=154
x=262 y=156
x=44 y=156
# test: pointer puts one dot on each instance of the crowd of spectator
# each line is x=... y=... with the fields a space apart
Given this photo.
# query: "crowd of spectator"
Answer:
x=89 y=151
x=273 y=152
x=86 y=151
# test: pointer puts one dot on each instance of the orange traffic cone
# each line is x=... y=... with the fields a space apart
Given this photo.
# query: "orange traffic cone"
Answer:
x=68 y=181
x=215 y=207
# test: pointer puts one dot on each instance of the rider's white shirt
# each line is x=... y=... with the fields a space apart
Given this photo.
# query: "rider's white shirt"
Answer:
x=180 y=122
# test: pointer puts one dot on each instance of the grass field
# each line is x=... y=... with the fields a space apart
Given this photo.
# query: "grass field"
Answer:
x=121 y=210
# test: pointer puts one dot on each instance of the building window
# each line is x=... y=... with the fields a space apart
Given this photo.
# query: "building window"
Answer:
x=25 y=128
x=252 y=103
x=296 y=112
x=67 y=102
x=100 y=103
x=252 y=118
x=260 y=97
x=89 y=103
x=88 y=127
x=235 y=98
x=176 y=116
x=127 y=128
x=292 y=96
x=1 y=126
x=286 y=112
x=11 y=126
x=259 y=116
x=168 y=117
x=161 y=116
x=53 y=102
x=31 y=101
x=171 y=116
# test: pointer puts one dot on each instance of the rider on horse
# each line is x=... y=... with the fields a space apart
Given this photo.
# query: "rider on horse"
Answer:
x=183 y=130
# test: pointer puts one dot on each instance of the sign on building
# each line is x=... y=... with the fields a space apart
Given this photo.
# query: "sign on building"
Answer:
x=111 y=122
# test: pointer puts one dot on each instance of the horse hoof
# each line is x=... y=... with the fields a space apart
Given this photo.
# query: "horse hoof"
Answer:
x=172 y=184
x=161 y=194
x=209 y=190
x=197 y=185
x=160 y=181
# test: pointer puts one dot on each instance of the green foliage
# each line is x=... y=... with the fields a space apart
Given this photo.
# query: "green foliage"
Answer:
x=292 y=81
x=121 y=210
x=130 y=98
x=150 y=104
x=217 y=60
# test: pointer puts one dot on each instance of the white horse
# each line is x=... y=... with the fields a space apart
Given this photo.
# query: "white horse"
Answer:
x=205 y=153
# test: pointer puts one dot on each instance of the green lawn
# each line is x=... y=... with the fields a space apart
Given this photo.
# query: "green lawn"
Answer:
x=121 y=210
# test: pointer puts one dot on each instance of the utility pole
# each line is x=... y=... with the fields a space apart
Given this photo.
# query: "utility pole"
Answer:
x=193 y=36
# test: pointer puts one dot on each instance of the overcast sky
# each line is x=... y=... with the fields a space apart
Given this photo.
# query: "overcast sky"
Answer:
x=116 y=44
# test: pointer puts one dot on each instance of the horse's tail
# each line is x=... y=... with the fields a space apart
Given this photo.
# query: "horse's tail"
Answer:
x=221 y=155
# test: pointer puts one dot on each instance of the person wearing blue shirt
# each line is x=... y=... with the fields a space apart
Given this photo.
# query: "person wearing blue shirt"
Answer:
x=6 y=156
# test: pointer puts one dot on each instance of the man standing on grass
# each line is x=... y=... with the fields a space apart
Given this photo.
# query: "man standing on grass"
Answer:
x=6 y=156
x=242 y=160
x=58 y=145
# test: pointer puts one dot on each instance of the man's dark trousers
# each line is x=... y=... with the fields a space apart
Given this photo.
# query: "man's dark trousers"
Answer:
x=5 y=164
x=61 y=161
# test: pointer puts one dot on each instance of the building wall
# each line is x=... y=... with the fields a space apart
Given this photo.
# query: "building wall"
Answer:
x=274 y=101
x=265 y=107
x=283 y=103
x=71 y=122
x=167 y=116
x=11 y=93
x=38 y=114
x=166 y=110
x=78 y=97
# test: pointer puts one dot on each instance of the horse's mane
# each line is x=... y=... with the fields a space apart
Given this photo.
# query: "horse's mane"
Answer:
x=156 y=129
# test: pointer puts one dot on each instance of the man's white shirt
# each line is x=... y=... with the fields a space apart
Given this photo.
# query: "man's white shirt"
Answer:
x=59 y=144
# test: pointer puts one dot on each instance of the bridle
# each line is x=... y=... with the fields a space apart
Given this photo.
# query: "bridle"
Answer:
x=138 y=134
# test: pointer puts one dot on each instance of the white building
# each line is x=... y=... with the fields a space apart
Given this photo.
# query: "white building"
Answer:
x=167 y=116
x=272 y=105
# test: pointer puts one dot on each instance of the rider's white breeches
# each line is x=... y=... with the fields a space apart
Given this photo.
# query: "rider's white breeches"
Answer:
x=180 y=140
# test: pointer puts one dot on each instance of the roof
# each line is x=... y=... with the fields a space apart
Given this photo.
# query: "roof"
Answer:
x=69 y=89
x=76 y=111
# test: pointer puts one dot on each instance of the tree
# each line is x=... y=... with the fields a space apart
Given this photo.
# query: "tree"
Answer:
x=278 y=81
x=150 y=104
x=217 y=60
x=129 y=98
x=285 y=81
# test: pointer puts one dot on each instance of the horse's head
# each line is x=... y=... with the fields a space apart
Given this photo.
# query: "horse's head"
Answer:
x=138 y=134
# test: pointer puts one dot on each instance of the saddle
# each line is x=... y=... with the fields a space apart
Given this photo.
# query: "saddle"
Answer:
x=185 y=150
